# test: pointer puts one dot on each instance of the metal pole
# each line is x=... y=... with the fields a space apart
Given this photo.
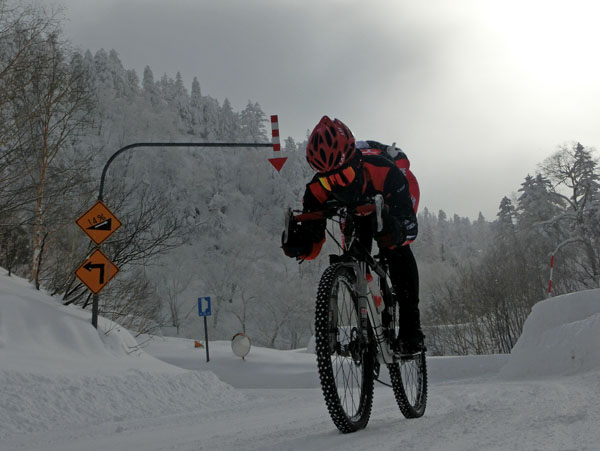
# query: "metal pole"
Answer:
x=134 y=145
x=95 y=311
x=96 y=301
x=550 y=281
x=159 y=144
x=206 y=338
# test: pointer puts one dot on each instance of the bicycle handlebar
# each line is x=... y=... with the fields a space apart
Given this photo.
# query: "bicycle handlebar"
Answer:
x=325 y=214
x=334 y=210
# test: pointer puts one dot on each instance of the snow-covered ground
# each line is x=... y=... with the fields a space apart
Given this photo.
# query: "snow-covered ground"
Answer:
x=66 y=386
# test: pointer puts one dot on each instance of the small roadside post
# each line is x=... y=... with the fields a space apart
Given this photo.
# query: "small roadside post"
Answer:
x=204 y=311
x=551 y=270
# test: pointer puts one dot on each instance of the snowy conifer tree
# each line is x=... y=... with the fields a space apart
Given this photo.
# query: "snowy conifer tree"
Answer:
x=574 y=172
x=253 y=123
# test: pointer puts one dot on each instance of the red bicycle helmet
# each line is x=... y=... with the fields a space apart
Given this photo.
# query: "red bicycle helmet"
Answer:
x=330 y=146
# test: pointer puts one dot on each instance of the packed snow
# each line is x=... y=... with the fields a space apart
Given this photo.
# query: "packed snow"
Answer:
x=561 y=337
x=66 y=386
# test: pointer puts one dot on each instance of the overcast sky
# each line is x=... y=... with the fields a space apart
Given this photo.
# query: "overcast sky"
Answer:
x=476 y=92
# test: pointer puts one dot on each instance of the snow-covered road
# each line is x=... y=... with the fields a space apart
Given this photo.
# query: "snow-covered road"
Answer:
x=481 y=414
x=64 y=386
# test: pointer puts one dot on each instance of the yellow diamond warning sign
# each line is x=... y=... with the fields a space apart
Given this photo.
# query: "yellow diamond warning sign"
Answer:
x=98 y=222
x=96 y=271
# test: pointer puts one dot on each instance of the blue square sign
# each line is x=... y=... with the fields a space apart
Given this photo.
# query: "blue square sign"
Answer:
x=204 y=306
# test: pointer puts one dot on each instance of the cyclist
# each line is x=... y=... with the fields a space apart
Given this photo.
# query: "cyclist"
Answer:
x=352 y=176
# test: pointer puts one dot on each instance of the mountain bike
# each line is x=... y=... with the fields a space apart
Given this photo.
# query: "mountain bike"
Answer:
x=357 y=327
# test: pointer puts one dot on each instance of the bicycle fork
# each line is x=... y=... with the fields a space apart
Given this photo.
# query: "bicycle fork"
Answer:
x=368 y=314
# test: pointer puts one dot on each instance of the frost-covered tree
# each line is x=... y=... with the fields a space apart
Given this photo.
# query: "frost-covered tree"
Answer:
x=149 y=87
x=210 y=118
x=23 y=30
x=173 y=287
x=228 y=126
x=505 y=224
x=196 y=113
x=120 y=81
x=484 y=309
x=289 y=145
x=536 y=202
x=181 y=100
x=253 y=122
x=536 y=235
x=574 y=172
x=196 y=95
x=102 y=73
x=54 y=108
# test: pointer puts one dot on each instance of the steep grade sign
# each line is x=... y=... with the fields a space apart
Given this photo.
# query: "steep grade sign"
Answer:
x=98 y=222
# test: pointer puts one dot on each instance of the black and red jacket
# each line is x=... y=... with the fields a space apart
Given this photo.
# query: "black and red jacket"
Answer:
x=375 y=175
x=400 y=159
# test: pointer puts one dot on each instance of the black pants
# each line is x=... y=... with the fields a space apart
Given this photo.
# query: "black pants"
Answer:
x=405 y=279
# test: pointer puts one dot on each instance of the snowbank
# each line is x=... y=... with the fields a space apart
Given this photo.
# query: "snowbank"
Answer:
x=560 y=337
x=56 y=369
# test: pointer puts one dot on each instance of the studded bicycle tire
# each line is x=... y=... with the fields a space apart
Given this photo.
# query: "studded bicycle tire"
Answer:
x=345 y=366
x=409 y=382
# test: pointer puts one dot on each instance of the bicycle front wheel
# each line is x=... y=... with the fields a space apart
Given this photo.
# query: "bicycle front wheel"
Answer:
x=345 y=364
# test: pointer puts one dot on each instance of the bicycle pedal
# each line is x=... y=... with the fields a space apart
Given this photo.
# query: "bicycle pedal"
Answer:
x=376 y=369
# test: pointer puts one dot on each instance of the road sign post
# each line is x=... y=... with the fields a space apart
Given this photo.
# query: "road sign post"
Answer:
x=95 y=301
x=204 y=310
x=98 y=223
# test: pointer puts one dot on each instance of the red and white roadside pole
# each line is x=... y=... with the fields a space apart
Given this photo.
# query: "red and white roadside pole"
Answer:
x=551 y=270
x=275 y=133
x=277 y=162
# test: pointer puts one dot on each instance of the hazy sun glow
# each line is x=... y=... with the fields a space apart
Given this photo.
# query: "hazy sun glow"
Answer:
x=555 y=42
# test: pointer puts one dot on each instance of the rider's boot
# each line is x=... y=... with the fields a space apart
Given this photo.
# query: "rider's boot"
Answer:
x=411 y=338
x=412 y=342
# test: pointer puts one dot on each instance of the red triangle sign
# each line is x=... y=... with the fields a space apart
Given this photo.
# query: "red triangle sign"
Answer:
x=278 y=162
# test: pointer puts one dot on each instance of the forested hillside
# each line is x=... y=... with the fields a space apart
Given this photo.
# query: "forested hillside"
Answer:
x=208 y=221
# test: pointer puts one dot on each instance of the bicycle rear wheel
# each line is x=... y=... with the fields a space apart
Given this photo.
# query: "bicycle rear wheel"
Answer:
x=345 y=364
x=409 y=375
x=409 y=381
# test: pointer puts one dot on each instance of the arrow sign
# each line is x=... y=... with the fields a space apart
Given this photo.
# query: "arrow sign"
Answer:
x=89 y=266
x=277 y=162
x=98 y=222
x=96 y=271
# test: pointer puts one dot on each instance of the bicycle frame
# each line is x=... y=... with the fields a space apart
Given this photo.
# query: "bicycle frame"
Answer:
x=366 y=306
x=368 y=310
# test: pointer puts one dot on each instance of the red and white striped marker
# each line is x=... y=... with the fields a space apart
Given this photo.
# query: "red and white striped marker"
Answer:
x=277 y=162
x=551 y=269
x=275 y=133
